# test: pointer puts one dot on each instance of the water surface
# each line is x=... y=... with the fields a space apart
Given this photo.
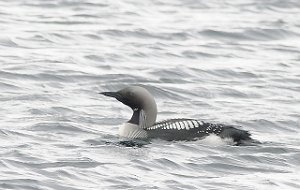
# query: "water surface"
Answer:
x=233 y=62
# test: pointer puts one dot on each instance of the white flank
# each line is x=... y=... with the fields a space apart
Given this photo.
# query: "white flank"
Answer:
x=132 y=131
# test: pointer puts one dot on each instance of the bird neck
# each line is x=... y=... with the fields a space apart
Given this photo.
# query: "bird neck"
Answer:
x=144 y=118
x=135 y=118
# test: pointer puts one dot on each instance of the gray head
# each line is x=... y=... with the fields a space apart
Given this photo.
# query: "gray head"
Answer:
x=140 y=101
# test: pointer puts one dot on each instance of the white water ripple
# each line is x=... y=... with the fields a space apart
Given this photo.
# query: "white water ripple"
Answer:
x=233 y=62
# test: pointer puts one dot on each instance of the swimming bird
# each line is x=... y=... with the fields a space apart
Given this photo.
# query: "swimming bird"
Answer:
x=143 y=125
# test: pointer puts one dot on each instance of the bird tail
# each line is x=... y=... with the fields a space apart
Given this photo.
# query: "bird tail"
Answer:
x=238 y=135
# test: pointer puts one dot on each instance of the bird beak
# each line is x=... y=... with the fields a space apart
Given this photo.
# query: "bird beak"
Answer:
x=111 y=94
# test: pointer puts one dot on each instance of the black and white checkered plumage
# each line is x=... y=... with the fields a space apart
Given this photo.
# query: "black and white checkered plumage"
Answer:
x=191 y=129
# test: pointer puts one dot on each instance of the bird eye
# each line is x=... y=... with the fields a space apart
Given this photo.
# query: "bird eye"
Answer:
x=130 y=94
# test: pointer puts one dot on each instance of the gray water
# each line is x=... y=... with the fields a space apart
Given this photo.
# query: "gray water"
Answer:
x=233 y=62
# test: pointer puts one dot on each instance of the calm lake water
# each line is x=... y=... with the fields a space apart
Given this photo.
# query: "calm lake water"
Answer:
x=233 y=62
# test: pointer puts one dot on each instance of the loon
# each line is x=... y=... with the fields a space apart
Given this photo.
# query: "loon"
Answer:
x=143 y=125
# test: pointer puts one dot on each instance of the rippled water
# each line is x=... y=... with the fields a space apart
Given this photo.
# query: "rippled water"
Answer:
x=234 y=62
